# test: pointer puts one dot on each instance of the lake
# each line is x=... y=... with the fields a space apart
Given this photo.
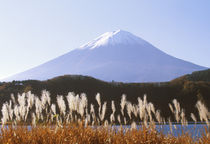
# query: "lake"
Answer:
x=177 y=129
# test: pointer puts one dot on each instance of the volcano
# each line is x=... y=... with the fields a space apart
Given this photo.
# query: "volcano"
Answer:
x=113 y=56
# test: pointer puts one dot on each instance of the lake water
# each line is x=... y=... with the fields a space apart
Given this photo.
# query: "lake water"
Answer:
x=192 y=129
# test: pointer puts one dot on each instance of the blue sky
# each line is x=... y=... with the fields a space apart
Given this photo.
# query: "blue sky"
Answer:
x=35 y=31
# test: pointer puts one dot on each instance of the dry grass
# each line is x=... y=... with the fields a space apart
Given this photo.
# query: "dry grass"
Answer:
x=77 y=133
x=36 y=120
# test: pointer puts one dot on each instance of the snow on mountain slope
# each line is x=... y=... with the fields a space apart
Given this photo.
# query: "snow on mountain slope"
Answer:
x=119 y=56
x=114 y=38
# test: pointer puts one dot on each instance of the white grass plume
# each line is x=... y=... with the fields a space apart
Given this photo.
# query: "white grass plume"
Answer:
x=123 y=103
x=61 y=105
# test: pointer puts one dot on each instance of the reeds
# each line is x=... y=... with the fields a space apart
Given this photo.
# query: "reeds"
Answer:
x=30 y=119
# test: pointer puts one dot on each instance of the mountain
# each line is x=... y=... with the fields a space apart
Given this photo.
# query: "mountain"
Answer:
x=119 y=56
x=203 y=75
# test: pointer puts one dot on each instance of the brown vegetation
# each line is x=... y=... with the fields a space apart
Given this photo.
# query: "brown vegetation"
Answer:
x=77 y=133
x=36 y=120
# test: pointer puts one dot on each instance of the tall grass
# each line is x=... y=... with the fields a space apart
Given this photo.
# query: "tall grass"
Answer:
x=32 y=119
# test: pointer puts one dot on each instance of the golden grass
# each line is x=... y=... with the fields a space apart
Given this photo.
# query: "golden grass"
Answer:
x=75 y=123
x=78 y=134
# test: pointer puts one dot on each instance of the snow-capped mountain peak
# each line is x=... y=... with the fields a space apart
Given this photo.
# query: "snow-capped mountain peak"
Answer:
x=119 y=56
x=113 y=38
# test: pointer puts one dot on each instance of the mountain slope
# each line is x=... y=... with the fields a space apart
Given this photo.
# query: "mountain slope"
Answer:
x=203 y=75
x=118 y=56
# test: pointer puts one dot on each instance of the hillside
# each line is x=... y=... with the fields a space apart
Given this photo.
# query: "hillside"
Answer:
x=203 y=75
x=186 y=92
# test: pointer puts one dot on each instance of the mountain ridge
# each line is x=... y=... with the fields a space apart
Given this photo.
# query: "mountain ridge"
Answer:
x=119 y=56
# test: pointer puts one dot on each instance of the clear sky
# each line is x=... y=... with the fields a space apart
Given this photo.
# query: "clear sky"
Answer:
x=35 y=31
